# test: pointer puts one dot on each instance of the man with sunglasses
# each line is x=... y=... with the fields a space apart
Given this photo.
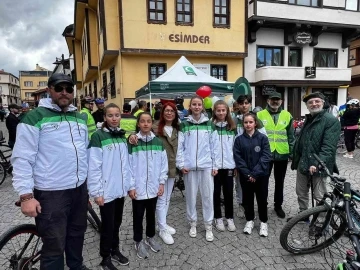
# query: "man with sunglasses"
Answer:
x=50 y=169
x=87 y=105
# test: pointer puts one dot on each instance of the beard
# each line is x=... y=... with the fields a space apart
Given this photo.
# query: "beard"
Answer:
x=315 y=110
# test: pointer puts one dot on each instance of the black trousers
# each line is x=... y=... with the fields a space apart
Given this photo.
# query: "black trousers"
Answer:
x=139 y=208
x=224 y=179
x=111 y=218
x=260 y=188
x=280 y=168
x=62 y=225
x=349 y=136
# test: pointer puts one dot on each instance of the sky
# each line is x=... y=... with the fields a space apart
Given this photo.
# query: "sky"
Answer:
x=31 y=33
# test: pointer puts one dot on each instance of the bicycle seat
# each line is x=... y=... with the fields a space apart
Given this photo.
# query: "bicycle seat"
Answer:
x=339 y=179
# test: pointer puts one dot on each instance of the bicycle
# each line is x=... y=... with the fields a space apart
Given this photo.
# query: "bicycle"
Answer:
x=5 y=154
x=341 y=148
x=20 y=246
x=319 y=227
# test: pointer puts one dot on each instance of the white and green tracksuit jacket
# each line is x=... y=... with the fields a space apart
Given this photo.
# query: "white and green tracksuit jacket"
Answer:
x=149 y=165
x=226 y=140
x=109 y=173
x=51 y=149
x=197 y=145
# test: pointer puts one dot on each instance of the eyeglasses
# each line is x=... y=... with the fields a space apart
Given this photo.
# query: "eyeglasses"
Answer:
x=169 y=111
x=59 y=88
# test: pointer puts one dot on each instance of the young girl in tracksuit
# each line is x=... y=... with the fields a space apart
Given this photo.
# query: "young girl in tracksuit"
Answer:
x=149 y=165
x=225 y=131
x=108 y=182
x=197 y=144
x=252 y=158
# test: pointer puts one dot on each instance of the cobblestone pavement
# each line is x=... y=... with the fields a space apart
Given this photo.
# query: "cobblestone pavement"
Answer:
x=230 y=250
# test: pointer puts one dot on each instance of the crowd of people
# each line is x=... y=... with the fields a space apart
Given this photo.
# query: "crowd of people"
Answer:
x=62 y=156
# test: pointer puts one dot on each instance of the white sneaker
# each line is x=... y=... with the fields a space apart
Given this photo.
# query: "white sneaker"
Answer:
x=219 y=224
x=348 y=156
x=192 y=231
x=170 y=229
x=240 y=212
x=209 y=234
x=230 y=225
x=166 y=237
x=248 y=227
x=263 y=229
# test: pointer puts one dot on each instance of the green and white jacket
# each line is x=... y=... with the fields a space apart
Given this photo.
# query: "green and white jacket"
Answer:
x=149 y=165
x=51 y=149
x=109 y=173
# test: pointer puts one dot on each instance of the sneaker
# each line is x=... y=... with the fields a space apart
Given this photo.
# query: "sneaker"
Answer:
x=219 y=224
x=279 y=212
x=154 y=246
x=230 y=225
x=240 y=212
x=117 y=256
x=248 y=227
x=351 y=156
x=140 y=247
x=165 y=235
x=348 y=156
x=170 y=229
x=106 y=264
x=263 y=229
x=209 y=234
x=192 y=231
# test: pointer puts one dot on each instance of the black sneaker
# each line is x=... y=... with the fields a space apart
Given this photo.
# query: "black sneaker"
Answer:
x=117 y=256
x=106 y=264
x=279 y=212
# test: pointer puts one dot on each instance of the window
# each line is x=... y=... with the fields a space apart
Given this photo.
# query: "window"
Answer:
x=219 y=72
x=112 y=82
x=221 y=13
x=156 y=70
x=86 y=92
x=28 y=94
x=90 y=90
x=269 y=56
x=310 y=3
x=184 y=11
x=28 y=83
x=84 y=44
x=353 y=5
x=43 y=83
x=156 y=11
x=104 y=90
x=295 y=57
x=95 y=89
x=325 y=58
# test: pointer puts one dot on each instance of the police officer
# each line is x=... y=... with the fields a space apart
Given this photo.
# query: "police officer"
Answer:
x=278 y=124
x=87 y=104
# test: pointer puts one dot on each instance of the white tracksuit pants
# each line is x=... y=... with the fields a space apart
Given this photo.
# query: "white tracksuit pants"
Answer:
x=204 y=181
x=163 y=203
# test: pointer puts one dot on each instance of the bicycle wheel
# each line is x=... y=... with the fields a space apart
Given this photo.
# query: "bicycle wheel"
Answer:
x=93 y=218
x=20 y=248
x=357 y=140
x=2 y=173
x=300 y=237
x=341 y=148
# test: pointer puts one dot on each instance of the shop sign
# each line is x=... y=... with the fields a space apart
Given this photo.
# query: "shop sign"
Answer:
x=303 y=38
x=189 y=38
x=310 y=72
x=203 y=67
x=268 y=90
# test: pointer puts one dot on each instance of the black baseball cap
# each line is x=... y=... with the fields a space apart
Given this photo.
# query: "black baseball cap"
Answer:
x=57 y=78
x=14 y=106
x=275 y=95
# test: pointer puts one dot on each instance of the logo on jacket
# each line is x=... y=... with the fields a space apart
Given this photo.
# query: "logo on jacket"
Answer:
x=110 y=147
x=257 y=149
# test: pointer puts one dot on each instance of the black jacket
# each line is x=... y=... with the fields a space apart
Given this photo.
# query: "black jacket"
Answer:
x=252 y=155
x=351 y=117
x=11 y=123
x=98 y=116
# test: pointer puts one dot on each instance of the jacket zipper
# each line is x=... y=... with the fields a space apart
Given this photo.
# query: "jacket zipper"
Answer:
x=76 y=152
x=197 y=141
x=122 y=182
x=222 y=149
x=147 y=168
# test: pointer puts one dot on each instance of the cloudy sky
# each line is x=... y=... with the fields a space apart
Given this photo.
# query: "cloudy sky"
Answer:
x=31 y=33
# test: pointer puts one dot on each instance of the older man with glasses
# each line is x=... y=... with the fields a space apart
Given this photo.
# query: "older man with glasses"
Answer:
x=319 y=135
x=50 y=169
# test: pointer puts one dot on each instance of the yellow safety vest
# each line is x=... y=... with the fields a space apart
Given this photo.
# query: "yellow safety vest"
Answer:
x=277 y=134
x=90 y=122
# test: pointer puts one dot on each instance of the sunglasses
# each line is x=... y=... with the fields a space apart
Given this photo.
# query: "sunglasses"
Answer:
x=59 y=89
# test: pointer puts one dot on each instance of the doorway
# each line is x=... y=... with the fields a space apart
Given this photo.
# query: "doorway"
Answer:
x=294 y=102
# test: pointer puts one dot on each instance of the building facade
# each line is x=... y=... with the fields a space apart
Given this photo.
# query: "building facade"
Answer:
x=118 y=46
x=300 y=46
x=9 y=89
x=354 y=64
x=32 y=81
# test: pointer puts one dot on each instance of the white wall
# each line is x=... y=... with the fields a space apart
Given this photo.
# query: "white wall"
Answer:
x=334 y=3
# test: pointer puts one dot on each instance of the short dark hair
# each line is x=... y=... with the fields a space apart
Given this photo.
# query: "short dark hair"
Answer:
x=242 y=98
x=142 y=104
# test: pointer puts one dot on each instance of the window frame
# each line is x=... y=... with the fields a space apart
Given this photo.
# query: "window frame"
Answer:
x=301 y=55
x=225 y=73
x=326 y=49
x=228 y=15
x=112 y=82
x=31 y=84
x=320 y=3
x=191 y=13
x=148 y=11
x=104 y=81
x=157 y=74
x=95 y=89
x=272 y=61
x=28 y=95
x=90 y=90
